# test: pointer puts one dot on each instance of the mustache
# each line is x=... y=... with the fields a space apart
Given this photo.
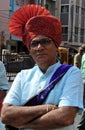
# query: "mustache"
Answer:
x=40 y=53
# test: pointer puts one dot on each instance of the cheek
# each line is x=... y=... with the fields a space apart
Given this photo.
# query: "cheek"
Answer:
x=32 y=53
x=53 y=51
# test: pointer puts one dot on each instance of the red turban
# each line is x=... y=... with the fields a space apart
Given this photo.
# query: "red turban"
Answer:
x=39 y=22
x=43 y=25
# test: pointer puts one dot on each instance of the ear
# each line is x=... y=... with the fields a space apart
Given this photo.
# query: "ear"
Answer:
x=29 y=51
x=56 y=49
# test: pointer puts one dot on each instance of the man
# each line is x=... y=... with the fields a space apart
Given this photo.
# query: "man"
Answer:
x=4 y=86
x=78 y=57
x=43 y=111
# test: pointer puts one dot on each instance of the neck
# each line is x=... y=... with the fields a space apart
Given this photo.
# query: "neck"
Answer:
x=44 y=68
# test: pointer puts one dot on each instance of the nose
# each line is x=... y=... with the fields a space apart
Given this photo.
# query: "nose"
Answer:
x=39 y=46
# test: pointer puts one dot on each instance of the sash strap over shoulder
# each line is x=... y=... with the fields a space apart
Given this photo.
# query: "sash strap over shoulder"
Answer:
x=40 y=98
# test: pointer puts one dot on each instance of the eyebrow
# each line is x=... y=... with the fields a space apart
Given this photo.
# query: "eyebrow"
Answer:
x=41 y=39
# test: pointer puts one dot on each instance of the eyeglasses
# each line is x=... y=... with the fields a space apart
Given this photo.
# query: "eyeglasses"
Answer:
x=44 y=42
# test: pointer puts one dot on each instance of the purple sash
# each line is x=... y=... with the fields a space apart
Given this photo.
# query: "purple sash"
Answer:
x=40 y=98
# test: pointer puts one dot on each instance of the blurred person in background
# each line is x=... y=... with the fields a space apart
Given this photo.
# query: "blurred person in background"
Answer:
x=4 y=87
x=78 y=57
x=81 y=125
x=83 y=69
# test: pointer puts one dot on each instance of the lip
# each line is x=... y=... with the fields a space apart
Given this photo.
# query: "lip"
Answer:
x=40 y=55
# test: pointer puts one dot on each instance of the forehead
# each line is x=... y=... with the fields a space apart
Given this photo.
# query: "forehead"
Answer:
x=39 y=37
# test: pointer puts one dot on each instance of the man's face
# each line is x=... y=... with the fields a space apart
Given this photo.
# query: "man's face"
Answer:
x=43 y=51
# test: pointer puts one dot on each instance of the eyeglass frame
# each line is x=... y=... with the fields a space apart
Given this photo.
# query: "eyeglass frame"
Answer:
x=43 y=42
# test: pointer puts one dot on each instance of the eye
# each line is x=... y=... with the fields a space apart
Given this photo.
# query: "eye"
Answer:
x=34 y=43
x=46 y=41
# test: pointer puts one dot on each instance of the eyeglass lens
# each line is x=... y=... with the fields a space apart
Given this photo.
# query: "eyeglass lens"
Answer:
x=43 y=42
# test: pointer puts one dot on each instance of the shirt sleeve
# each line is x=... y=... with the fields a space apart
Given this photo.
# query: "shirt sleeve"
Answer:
x=72 y=93
x=14 y=95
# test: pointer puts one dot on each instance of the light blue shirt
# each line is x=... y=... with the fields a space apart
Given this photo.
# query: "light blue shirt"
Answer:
x=4 y=85
x=67 y=91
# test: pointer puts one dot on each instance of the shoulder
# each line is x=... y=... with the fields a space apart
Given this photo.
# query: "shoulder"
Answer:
x=2 y=66
x=74 y=72
x=76 y=54
x=1 y=63
x=27 y=72
x=31 y=70
x=75 y=68
x=25 y=76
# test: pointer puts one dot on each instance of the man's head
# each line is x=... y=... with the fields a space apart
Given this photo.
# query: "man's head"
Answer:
x=43 y=50
x=42 y=37
x=42 y=34
x=80 y=51
x=43 y=25
x=31 y=20
x=83 y=47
